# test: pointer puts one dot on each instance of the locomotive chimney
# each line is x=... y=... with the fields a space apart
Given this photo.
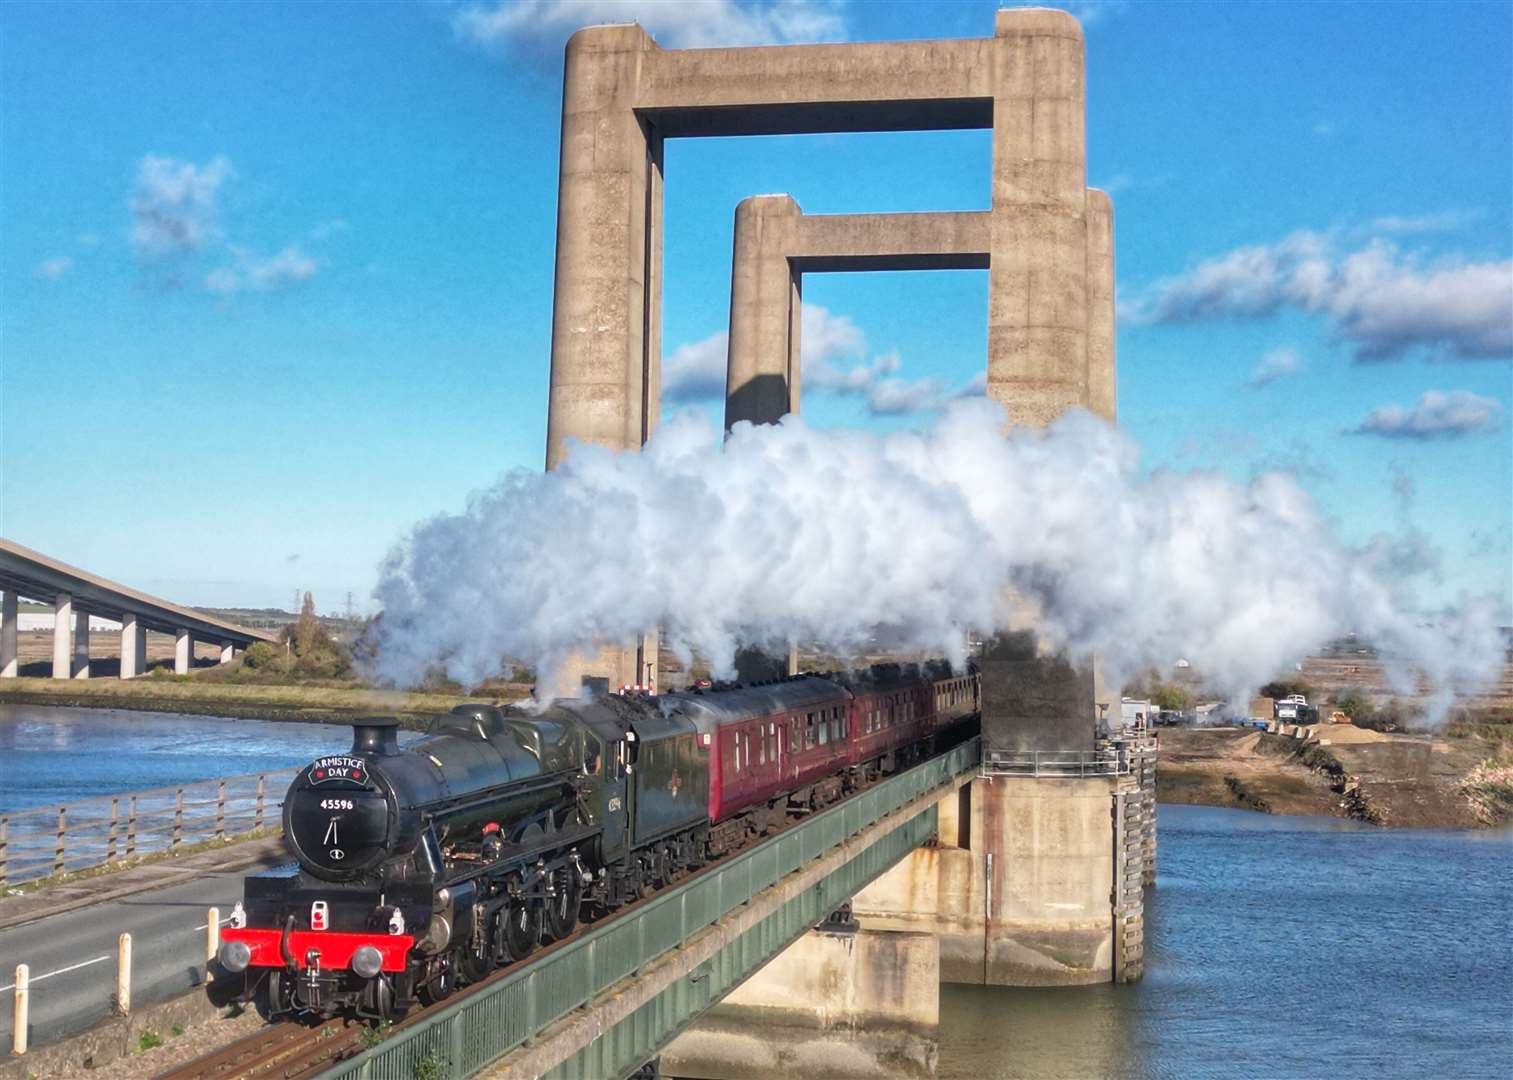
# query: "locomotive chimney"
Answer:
x=377 y=735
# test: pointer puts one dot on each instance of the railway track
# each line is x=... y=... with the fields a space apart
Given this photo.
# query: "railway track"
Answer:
x=281 y=1051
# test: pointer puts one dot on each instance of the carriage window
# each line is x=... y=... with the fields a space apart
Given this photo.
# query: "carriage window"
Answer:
x=793 y=735
x=762 y=749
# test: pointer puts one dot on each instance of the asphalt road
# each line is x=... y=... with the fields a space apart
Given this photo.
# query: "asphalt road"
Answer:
x=72 y=956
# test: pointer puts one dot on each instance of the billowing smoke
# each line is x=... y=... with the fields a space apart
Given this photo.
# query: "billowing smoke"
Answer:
x=855 y=541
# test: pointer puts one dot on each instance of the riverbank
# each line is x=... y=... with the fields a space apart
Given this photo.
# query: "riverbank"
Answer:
x=1399 y=780
x=305 y=704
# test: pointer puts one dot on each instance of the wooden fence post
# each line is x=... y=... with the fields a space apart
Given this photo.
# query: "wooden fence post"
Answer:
x=5 y=835
x=58 y=847
x=21 y=1018
x=212 y=933
x=131 y=828
x=259 y=816
x=178 y=818
x=123 y=975
x=115 y=814
x=220 y=811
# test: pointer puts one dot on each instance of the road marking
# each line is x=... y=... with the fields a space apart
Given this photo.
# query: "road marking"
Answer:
x=60 y=971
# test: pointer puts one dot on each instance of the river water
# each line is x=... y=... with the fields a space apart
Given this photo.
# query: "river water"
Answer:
x=1279 y=947
x=51 y=755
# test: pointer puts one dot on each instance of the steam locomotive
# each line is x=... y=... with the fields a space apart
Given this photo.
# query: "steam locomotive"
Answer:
x=421 y=869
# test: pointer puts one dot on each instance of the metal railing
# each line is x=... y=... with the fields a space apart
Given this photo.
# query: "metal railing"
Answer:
x=1065 y=763
x=49 y=840
x=464 y=1037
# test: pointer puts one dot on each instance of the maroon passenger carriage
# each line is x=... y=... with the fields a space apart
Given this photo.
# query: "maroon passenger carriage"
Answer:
x=802 y=742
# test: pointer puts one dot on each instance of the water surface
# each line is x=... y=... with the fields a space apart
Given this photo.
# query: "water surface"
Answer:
x=1279 y=947
x=52 y=755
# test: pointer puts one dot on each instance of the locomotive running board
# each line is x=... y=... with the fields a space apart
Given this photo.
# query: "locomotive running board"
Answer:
x=518 y=856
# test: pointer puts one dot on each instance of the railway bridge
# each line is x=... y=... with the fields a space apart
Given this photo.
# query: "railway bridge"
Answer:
x=648 y=986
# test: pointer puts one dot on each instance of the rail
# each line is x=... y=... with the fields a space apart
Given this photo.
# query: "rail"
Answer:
x=466 y=1036
x=48 y=840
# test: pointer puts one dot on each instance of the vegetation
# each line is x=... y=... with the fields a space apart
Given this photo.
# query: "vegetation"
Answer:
x=430 y=1067
x=372 y=1036
x=1489 y=787
x=1173 y=697
x=149 y=1040
x=1244 y=796
x=1281 y=688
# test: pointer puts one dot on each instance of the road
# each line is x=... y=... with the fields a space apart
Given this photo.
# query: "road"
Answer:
x=72 y=955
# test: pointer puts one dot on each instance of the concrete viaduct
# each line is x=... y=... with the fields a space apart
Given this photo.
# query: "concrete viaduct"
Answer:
x=77 y=594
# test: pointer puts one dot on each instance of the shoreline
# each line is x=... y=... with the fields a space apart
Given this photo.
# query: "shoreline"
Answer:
x=1394 y=781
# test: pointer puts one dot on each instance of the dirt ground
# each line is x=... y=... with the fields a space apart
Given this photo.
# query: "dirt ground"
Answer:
x=1405 y=781
x=1195 y=763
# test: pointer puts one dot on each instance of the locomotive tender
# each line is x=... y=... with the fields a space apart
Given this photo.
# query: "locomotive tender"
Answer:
x=423 y=868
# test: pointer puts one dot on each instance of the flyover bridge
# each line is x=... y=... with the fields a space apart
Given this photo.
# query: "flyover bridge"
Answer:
x=607 y=1001
x=77 y=594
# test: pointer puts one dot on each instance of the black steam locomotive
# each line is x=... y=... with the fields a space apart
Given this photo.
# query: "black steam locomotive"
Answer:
x=426 y=867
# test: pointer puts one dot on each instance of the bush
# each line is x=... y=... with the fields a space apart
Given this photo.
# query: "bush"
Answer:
x=1278 y=689
x=1355 y=705
x=259 y=654
x=1173 y=697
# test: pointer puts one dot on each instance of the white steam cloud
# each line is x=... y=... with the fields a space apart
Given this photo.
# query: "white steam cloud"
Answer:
x=853 y=540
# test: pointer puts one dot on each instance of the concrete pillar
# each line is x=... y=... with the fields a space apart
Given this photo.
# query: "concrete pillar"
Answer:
x=762 y=374
x=1037 y=280
x=183 y=652
x=9 y=620
x=606 y=311
x=1102 y=378
x=81 y=645
x=1031 y=902
x=228 y=650
x=837 y=1005
x=133 y=646
x=63 y=636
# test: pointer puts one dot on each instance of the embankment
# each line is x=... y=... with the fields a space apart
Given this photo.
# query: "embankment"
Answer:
x=1407 y=781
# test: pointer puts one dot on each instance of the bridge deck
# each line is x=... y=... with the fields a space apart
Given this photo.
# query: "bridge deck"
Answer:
x=604 y=1004
x=41 y=577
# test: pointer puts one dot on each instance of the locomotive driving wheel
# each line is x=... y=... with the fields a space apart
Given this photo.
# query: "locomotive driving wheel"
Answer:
x=522 y=928
x=562 y=908
x=440 y=979
x=477 y=957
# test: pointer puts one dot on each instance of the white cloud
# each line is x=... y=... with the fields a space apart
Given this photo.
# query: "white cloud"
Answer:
x=833 y=348
x=676 y=24
x=696 y=372
x=288 y=267
x=173 y=206
x=1275 y=365
x=1385 y=301
x=54 y=268
x=1443 y=221
x=1437 y=414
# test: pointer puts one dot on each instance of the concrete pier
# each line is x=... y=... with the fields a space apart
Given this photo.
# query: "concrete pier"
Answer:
x=837 y=1005
x=81 y=645
x=63 y=636
x=228 y=652
x=1026 y=899
x=9 y=621
x=183 y=652
x=133 y=647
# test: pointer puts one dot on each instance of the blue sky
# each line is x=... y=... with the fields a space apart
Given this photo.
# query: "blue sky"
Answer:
x=276 y=279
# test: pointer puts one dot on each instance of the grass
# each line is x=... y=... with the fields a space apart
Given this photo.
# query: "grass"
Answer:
x=331 y=704
x=149 y=1040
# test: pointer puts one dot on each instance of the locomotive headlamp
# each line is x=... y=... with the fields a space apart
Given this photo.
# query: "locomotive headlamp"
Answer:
x=367 y=962
x=236 y=955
